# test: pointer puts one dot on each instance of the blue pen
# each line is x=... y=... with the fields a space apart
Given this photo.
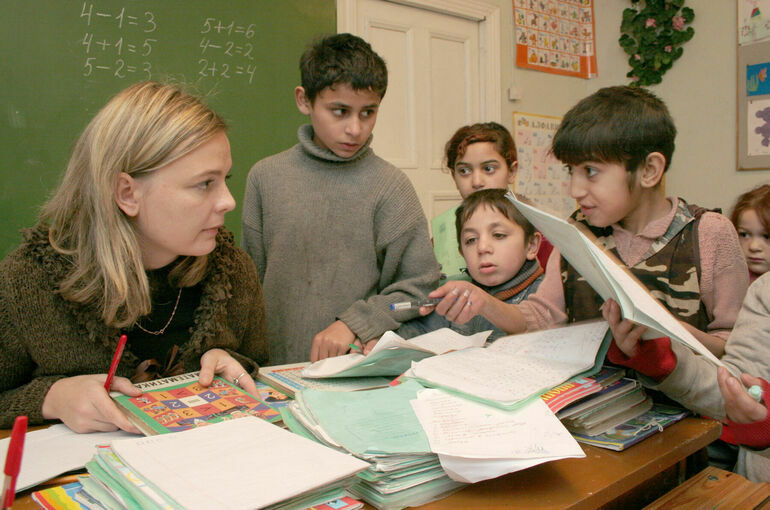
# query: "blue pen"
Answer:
x=407 y=305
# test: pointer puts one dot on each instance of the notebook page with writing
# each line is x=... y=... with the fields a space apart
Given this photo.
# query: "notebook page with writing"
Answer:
x=237 y=464
x=610 y=280
x=517 y=367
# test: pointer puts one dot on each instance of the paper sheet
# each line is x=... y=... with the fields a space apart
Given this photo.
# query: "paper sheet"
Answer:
x=476 y=442
x=238 y=464
x=55 y=450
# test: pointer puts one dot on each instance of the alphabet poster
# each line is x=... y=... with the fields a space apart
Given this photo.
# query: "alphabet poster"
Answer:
x=540 y=177
x=556 y=36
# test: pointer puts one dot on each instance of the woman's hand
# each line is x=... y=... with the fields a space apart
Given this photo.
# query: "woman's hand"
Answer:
x=219 y=362
x=739 y=406
x=83 y=405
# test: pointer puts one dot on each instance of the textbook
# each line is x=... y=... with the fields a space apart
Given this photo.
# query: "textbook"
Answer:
x=516 y=368
x=613 y=391
x=289 y=380
x=578 y=389
x=610 y=279
x=633 y=431
x=180 y=403
x=610 y=414
x=392 y=355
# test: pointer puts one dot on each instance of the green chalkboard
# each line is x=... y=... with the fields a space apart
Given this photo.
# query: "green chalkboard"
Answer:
x=63 y=59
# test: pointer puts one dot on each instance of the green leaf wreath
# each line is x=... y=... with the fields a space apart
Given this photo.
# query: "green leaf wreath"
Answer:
x=653 y=32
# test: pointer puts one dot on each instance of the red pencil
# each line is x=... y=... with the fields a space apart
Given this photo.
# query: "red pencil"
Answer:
x=115 y=361
x=13 y=460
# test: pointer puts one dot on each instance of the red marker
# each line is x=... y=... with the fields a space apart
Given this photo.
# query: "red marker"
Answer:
x=13 y=460
x=115 y=361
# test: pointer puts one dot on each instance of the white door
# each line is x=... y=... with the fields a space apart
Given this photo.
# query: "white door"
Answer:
x=435 y=85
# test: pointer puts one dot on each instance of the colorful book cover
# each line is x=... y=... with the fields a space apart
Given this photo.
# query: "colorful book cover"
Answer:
x=346 y=503
x=180 y=403
x=271 y=396
x=635 y=430
x=59 y=498
x=577 y=389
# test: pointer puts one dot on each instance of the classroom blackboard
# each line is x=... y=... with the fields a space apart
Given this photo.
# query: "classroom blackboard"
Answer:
x=63 y=59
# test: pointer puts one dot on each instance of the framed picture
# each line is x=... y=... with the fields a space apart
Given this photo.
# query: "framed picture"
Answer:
x=754 y=106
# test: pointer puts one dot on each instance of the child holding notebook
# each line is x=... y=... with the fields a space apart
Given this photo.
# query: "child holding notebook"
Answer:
x=617 y=144
x=499 y=247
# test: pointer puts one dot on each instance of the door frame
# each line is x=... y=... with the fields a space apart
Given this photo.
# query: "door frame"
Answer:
x=486 y=14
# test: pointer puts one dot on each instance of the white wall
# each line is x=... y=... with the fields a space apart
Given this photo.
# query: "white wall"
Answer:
x=700 y=91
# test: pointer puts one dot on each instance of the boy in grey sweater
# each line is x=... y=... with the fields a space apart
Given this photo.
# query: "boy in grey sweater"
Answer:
x=337 y=234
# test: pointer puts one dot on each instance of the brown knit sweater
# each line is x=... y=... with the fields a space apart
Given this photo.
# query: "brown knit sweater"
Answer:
x=44 y=338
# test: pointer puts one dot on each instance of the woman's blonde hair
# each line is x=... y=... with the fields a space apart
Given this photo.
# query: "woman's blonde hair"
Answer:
x=144 y=127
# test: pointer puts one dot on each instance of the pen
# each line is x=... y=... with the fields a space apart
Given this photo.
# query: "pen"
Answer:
x=756 y=392
x=354 y=347
x=406 y=305
x=115 y=361
x=13 y=461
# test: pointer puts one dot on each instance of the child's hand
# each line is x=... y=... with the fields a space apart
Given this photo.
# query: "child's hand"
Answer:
x=739 y=406
x=461 y=301
x=333 y=341
x=627 y=334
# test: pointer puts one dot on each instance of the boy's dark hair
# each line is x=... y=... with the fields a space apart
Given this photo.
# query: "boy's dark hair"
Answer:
x=757 y=199
x=342 y=58
x=491 y=132
x=494 y=198
x=616 y=124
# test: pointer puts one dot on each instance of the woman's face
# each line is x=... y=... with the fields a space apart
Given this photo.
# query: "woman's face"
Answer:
x=180 y=206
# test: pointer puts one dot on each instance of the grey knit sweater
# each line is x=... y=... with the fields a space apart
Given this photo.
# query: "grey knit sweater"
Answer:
x=333 y=238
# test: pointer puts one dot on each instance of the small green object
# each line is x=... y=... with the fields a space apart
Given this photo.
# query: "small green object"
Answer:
x=756 y=392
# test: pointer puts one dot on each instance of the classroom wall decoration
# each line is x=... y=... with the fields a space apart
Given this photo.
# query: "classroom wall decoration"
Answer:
x=62 y=61
x=653 y=32
x=556 y=36
x=541 y=177
x=753 y=21
x=754 y=106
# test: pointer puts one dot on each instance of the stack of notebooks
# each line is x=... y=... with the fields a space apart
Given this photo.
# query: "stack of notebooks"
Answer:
x=379 y=427
x=264 y=467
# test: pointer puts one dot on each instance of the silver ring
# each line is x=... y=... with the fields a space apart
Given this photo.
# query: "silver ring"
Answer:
x=235 y=381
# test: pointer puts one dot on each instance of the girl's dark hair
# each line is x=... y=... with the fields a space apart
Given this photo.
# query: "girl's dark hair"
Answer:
x=494 y=198
x=491 y=132
x=757 y=199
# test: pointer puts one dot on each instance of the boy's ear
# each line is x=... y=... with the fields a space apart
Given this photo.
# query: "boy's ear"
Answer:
x=534 y=245
x=652 y=170
x=303 y=103
x=126 y=195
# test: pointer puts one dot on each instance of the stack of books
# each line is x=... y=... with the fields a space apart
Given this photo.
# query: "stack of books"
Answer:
x=379 y=427
x=576 y=389
x=264 y=467
x=619 y=402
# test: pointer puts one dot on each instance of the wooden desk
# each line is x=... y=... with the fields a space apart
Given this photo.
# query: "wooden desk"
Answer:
x=604 y=478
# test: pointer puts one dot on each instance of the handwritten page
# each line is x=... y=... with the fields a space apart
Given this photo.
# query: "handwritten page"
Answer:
x=478 y=442
x=609 y=280
x=55 y=450
x=238 y=464
x=392 y=355
x=516 y=367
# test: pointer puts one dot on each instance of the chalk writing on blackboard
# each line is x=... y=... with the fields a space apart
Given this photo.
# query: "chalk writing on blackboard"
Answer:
x=123 y=56
x=227 y=49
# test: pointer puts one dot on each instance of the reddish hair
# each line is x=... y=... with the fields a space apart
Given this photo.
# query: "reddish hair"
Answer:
x=757 y=199
x=491 y=132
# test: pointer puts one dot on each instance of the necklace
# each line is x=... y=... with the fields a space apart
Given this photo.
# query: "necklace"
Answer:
x=163 y=329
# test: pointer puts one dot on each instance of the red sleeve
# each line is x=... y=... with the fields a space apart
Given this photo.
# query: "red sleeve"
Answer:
x=757 y=434
x=654 y=358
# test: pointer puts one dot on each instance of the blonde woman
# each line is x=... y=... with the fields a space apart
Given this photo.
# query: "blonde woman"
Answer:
x=131 y=242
